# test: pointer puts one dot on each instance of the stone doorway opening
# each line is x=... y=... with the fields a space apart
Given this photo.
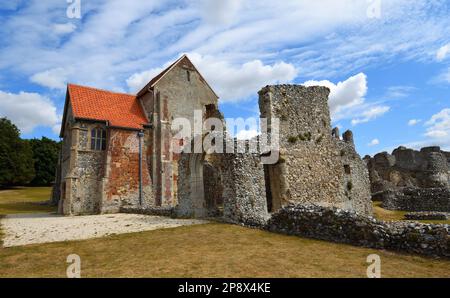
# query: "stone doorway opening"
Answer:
x=275 y=186
x=206 y=189
x=196 y=184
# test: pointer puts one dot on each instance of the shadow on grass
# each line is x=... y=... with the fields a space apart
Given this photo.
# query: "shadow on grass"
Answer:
x=25 y=207
x=25 y=200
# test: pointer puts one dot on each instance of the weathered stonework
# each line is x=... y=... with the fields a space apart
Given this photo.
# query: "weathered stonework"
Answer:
x=427 y=215
x=138 y=170
x=346 y=226
x=416 y=199
x=411 y=180
x=315 y=165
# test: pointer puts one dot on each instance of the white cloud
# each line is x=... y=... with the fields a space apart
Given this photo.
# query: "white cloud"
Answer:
x=64 y=28
x=374 y=142
x=399 y=91
x=347 y=100
x=220 y=11
x=445 y=77
x=370 y=114
x=28 y=110
x=442 y=53
x=319 y=38
x=54 y=78
x=439 y=126
x=346 y=94
x=437 y=132
x=247 y=134
x=232 y=82
x=413 y=122
x=115 y=42
x=137 y=81
x=56 y=129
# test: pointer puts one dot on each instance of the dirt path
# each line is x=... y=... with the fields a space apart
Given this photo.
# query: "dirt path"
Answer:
x=42 y=228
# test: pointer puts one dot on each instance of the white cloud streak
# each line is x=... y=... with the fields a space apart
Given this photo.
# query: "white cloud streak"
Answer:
x=274 y=41
x=231 y=82
x=374 y=142
x=347 y=100
x=414 y=122
x=28 y=110
x=443 y=52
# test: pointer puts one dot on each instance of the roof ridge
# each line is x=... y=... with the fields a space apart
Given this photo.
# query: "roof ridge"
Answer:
x=99 y=89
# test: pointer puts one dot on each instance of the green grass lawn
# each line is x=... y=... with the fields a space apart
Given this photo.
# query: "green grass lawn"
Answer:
x=25 y=200
x=211 y=250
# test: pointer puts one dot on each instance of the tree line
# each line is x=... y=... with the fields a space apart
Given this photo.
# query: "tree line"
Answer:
x=26 y=162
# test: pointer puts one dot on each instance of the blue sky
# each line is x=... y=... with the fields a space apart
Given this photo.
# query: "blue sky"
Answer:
x=387 y=62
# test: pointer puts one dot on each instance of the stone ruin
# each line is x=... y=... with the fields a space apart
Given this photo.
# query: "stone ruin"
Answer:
x=122 y=157
x=411 y=180
x=315 y=166
x=122 y=160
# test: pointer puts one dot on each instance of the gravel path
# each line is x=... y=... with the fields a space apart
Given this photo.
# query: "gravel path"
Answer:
x=26 y=229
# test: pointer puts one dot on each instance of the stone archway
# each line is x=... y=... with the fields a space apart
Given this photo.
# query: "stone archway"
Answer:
x=200 y=186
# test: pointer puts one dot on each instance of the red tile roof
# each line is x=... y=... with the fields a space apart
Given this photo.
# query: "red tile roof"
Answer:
x=119 y=109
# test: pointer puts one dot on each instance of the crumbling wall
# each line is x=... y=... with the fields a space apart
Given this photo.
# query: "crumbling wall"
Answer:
x=411 y=180
x=416 y=199
x=312 y=159
x=236 y=187
x=244 y=189
x=427 y=168
x=346 y=226
x=356 y=179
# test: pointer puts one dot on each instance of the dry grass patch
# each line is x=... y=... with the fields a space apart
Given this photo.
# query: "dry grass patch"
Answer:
x=25 y=200
x=211 y=250
x=395 y=215
x=1 y=232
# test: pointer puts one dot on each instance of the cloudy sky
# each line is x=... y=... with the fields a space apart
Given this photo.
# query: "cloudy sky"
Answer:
x=387 y=62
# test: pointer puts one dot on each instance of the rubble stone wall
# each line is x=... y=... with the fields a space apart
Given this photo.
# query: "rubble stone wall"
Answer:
x=345 y=226
x=417 y=199
x=427 y=168
x=411 y=180
x=237 y=186
x=315 y=166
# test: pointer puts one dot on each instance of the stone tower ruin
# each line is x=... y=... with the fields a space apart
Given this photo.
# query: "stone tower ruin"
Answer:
x=316 y=165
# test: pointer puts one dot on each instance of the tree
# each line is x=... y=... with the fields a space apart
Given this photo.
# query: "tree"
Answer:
x=16 y=156
x=45 y=155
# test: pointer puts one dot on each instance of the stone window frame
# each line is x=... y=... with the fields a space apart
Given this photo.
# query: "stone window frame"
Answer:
x=97 y=138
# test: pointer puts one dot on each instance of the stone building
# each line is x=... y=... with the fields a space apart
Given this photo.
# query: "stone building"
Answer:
x=116 y=150
x=118 y=153
x=411 y=180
